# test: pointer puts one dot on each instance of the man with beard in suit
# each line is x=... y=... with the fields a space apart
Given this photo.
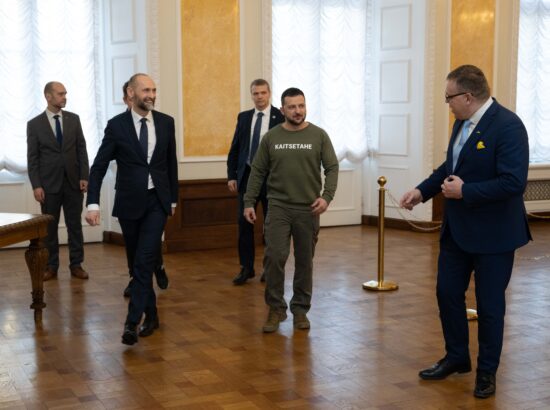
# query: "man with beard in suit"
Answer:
x=160 y=272
x=143 y=143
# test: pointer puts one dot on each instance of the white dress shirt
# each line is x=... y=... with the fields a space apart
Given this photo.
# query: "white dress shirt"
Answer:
x=474 y=119
x=151 y=140
x=51 y=119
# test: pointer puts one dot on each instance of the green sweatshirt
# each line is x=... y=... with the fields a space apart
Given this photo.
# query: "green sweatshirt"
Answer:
x=292 y=162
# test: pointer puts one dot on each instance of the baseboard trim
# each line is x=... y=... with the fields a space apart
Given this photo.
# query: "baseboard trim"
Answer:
x=112 y=237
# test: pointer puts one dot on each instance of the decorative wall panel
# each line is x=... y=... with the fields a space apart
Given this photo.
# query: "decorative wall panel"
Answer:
x=396 y=27
x=123 y=67
x=122 y=21
x=210 y=75
x=394 y=135
x=394 y=81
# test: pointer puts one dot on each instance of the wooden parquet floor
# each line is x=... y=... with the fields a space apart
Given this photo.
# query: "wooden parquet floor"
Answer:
x=363 y=351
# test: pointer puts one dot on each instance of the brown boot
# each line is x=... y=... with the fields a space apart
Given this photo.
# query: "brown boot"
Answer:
x=78 y=272
x=301 y=321
x=273 y=319
x=49 y=273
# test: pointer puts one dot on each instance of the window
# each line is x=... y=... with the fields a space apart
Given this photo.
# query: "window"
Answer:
x=43 y=41
x=533 y=81
x=321 y=47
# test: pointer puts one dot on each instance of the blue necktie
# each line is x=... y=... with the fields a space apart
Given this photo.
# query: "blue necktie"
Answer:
x=256 y=136
x=58 y=132
x=144 y=136
x=461 y=142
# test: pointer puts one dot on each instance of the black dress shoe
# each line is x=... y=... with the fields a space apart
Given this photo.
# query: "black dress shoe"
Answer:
x=128 y=290
x=262 y=278
x=149 y=326
x=485 y=385
x=243 y=276
x=444 y=368
x=130 y=336
x=162 y=278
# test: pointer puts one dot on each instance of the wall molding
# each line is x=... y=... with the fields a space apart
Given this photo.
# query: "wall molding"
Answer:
x=206 y=217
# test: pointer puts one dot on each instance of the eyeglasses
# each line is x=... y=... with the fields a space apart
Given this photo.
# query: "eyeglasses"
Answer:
x=450 y=97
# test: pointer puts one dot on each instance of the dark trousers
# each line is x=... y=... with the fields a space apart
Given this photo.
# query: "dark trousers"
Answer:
x=281 y=224
x=71 y=201
x=247 y=247
x=142 y=237
x=130 y=258
x=492 y=275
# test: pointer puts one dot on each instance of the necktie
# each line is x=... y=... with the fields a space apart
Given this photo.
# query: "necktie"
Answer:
x=58 y=132
x=256 y=136
x=461 y=142
x=144 y=136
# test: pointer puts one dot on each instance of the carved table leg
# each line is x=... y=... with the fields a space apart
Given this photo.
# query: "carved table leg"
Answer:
x=37 y=257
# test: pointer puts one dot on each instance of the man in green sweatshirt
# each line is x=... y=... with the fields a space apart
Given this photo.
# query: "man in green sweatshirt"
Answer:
x=291 y=155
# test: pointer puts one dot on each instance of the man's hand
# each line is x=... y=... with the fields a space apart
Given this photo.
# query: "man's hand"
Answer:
x=452 y=187
x=39 y=195
x=319 y=206
x=173 y=211
x=410 y=199
x=250 y=215
x=92 y=217
x=232 y=185
x=83 y=186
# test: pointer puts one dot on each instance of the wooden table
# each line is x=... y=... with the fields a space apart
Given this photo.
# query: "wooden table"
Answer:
x=15 y=228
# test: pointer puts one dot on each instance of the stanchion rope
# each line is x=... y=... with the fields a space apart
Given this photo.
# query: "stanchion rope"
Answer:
x=438 y=223
x=409 y=221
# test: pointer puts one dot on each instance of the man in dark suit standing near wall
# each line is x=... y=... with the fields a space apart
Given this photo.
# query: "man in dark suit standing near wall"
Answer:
x=251 y=127
x=483 y=180
x=143 y=143
x=58 y=170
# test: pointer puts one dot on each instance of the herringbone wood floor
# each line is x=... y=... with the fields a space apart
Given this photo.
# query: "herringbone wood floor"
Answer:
x=363 y=351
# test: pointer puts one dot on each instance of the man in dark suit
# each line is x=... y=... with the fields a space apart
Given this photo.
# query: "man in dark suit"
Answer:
x=143 y=143
x=483 y=180
x=160 y=272
x=58 y=171
x=251 y=126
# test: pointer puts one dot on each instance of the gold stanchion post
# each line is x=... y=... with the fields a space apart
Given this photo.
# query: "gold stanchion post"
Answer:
x=381 y=284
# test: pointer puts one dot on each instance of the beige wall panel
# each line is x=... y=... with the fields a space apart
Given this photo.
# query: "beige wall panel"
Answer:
x=472 y=34
x=211 y=75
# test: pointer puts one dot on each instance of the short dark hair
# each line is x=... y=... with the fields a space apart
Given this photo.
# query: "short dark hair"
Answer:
x=125 y=89
x=291 y=92
x=259 y=81
x=471 y=79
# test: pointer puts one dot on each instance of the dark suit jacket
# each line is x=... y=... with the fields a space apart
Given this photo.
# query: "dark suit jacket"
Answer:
x=48 y=162
x=121 y=143
x=238 y=153
x=491 y=217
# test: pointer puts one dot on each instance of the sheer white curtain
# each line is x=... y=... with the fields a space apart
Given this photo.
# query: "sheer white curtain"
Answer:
x=321 y=47
x=533 y=82
x=43 y=41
